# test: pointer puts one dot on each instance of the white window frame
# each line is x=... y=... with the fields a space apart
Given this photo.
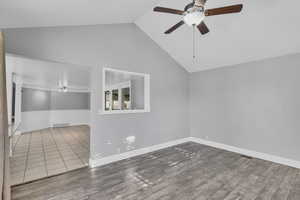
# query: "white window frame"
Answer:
x=118 y=87
x=146 y=93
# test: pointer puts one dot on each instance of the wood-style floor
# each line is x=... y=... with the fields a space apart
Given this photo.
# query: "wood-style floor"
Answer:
x=184 y=172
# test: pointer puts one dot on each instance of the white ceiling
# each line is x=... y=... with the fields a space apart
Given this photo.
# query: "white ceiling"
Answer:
x=264 y=29
x=34 y=13
x=47 y=74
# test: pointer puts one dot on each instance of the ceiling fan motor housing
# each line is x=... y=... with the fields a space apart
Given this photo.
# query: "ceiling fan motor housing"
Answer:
x=193 y=16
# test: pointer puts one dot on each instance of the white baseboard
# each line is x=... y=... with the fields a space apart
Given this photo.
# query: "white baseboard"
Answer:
x=99 y=161
x=50 y=126
x=18 y=133
x=80 y=124
x=69 y=125
x=263 y=156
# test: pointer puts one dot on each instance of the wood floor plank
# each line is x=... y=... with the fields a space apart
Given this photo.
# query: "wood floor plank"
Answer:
x=188 y=171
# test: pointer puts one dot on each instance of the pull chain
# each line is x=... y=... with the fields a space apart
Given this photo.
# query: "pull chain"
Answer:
x=194 y=42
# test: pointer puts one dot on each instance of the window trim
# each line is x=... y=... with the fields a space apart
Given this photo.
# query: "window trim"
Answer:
x=146 y=109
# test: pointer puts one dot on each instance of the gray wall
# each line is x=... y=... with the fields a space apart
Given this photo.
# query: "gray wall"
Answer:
x=124 y=47
x=254 y=106
x=37 y=100
x=70 y=101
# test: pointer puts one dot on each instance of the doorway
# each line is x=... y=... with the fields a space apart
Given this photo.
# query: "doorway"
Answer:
x=49 y=115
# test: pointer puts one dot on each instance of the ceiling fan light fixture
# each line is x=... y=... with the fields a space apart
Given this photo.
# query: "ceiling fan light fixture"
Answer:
x=194 y=18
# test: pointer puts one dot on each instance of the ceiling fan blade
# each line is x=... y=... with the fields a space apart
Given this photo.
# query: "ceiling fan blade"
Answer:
x=224 y=10
x=173 y=28
x=168 y=10
x=203 y=28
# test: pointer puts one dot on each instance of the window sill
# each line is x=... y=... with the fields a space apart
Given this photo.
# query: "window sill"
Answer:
x=100 y=112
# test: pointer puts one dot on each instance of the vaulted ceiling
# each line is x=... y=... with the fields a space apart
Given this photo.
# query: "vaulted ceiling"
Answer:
x=264 y=29
x=36 y=13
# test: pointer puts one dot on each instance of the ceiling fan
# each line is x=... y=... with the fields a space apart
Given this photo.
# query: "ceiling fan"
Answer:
x=195 y=12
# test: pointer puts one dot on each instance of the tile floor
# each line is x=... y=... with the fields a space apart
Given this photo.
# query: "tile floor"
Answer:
x=48 y=152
